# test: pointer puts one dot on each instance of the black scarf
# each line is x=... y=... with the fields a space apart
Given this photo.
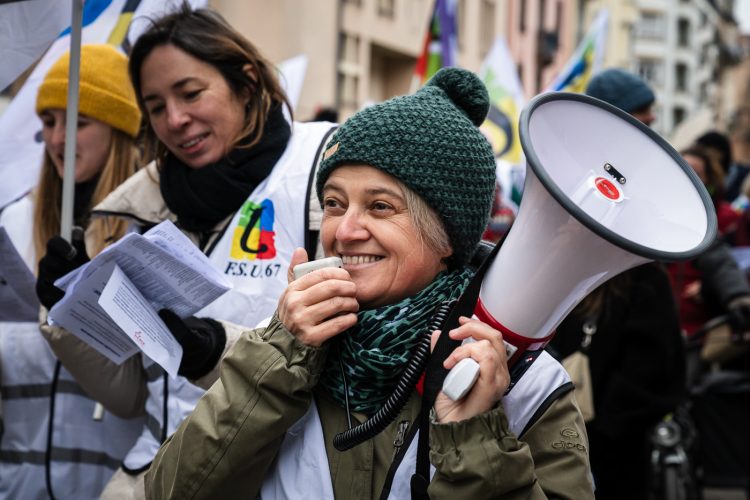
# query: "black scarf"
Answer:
x=83 y=192
x=203 y=197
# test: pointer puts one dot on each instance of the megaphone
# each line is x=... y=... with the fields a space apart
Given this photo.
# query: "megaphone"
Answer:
x=603 y=193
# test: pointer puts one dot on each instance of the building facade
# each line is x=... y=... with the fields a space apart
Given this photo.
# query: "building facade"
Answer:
x=685 y=50
x=364 y=51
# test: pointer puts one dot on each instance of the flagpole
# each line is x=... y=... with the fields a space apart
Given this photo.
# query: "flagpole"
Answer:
x=71 y=121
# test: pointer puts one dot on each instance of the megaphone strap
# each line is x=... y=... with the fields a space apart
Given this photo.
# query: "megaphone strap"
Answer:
x=436 y=373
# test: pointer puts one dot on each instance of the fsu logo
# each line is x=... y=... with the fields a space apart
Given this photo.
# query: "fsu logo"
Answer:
x=254 y=235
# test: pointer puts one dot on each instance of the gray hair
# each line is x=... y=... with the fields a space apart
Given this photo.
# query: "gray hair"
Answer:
x=427 y=221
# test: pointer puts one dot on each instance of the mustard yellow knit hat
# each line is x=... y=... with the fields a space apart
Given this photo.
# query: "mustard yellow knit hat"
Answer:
x=105 y=94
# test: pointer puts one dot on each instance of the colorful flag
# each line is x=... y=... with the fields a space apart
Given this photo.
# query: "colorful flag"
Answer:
x=500 y=76
x=439 y=49
x=586 y=59
x=21 y=147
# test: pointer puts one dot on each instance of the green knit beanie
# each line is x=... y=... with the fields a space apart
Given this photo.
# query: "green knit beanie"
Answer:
x=431 y=143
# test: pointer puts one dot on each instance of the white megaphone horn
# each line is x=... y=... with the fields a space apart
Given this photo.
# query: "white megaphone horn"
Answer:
x=603 y=193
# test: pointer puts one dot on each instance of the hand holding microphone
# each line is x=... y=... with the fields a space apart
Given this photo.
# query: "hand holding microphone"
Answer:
x=320 y=304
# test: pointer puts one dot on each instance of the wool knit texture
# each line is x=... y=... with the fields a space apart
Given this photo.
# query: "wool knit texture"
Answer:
x=105 y=91
x=621 y=89
x=431 y=143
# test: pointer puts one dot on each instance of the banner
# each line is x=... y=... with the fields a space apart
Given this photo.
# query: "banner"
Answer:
x=21 y=146
x=500 y=76
x=439 y=49
x=587 y=58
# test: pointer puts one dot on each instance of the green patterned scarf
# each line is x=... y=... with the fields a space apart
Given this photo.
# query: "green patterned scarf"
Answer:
x=375 y=351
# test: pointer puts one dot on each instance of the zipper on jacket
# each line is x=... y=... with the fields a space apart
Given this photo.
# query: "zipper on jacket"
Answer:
x=398 y=442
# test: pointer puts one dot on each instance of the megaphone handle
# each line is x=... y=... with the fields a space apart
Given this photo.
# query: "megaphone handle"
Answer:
x=461 y=378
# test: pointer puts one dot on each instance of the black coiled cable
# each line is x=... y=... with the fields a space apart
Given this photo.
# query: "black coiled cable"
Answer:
x=401 y=393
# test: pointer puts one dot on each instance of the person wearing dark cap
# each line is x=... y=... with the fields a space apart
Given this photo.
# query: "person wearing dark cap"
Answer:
x=406 y=188
x=624 y=90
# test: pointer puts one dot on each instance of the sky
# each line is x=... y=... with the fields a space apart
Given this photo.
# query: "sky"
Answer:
x=742 y=14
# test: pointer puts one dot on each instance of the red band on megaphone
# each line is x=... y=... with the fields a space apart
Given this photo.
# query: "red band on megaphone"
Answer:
x=518 y=340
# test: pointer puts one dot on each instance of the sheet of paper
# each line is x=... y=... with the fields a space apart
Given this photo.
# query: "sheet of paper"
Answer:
x=18 y=301
x=167 y=236
x=168 y=272
x=165 y=266
x=127 y=307
x=81 y=314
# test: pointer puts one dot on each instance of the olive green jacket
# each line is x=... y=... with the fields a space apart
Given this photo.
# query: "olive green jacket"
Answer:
x=267 y=383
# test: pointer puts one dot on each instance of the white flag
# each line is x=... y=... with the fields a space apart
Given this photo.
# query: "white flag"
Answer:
x=26 y=30
x=21 y=147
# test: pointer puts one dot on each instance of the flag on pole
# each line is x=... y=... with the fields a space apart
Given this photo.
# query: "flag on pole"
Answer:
x=500 y=76
x=21 y=147
x=439 y=48
x=586 y=59
x=26 y=30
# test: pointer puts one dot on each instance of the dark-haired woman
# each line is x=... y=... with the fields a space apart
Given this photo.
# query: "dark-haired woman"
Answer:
x=232 y=173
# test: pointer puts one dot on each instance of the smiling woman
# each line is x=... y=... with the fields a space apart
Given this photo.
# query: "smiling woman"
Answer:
x=406 y=188
x=368 y=223
x=232 y=173
x=190 y=106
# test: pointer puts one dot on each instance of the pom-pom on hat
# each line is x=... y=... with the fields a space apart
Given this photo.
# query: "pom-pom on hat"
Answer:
x=431 y=143
x=621 y=89
x=105 y=91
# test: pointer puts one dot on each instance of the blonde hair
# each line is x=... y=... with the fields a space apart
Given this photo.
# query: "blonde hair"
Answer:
x=121 y=163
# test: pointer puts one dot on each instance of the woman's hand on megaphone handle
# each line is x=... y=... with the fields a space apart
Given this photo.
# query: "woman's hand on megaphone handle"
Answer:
x=489 y=351
x=319 y=305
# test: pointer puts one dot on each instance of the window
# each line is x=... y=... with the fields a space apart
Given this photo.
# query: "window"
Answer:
x=703 y=92
x=678 y=116
x=683 y=32
x=651 y=71
x=386 y=8
x=681 y=77
x=651 y=26
x=349 y=70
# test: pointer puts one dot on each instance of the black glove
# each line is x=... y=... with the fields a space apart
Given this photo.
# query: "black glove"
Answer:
x=61 y=258
x=739 y=313
x=202 y=341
